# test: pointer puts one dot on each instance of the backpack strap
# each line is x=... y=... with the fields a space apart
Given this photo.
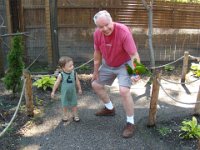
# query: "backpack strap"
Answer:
x=61 y=75
x=75 y=75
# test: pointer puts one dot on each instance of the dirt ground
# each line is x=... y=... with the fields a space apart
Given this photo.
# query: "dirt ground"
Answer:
x=167 y=131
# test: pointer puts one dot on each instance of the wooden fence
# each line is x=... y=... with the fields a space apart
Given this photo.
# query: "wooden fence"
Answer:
x=176 y=27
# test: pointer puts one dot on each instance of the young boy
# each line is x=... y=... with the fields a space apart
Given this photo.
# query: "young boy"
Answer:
x=68 y=80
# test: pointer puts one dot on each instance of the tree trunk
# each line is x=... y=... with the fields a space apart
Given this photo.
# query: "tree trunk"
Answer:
x=150 y=27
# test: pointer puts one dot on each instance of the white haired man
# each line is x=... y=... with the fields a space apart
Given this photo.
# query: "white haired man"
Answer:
x=114 y=46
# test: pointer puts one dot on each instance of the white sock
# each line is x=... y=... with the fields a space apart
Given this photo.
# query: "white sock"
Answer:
x=109 y=105
x=130 y=119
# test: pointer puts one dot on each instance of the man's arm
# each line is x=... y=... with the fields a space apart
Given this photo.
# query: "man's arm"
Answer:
x=78 y=84
x=97 y=63
x=135 y=56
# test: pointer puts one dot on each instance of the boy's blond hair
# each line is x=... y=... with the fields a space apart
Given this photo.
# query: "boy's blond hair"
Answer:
x=64 y=60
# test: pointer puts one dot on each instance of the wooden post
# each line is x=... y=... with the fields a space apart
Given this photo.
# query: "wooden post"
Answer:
x=197 y=106
x=154 y=99
x=185 y=66
x=198 y=146
x=28 y=93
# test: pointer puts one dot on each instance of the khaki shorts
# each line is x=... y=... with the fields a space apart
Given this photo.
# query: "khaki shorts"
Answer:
x=108 y=74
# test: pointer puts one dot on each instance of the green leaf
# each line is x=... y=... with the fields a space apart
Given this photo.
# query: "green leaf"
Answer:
x=190 y=129
x=45 y=82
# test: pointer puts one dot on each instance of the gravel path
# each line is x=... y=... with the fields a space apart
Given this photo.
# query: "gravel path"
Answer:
x=104 y=133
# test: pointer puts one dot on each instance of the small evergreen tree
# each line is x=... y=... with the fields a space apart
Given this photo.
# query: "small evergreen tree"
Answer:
x=12 y=78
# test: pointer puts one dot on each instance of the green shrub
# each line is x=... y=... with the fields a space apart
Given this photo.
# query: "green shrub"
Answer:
x=12 y=79
x=45 y=82
x=190 y=129
x=195 y=69
x=169 y=68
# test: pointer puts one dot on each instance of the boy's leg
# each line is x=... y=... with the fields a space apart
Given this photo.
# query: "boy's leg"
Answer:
x=66 y=114
x=75 y=114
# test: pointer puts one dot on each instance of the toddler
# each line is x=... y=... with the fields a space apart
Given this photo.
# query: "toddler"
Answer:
x=68 y=79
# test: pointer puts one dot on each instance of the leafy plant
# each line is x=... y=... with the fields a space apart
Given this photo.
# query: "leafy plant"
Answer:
x=164 y=130
x=84 y=68
x=45 y=82
x=38 y=101
x=22 y=108
x=169 y=68
x=195 y=69
x=12 y=79
x=190 y=129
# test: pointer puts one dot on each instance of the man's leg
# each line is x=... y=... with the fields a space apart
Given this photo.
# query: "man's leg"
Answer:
x=128 y=105
x=127 y=101
x=101 y=92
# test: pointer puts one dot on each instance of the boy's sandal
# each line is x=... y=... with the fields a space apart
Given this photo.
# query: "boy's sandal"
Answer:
x=76 y=119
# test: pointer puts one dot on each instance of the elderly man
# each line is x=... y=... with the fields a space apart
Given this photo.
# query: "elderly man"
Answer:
x=113 y=48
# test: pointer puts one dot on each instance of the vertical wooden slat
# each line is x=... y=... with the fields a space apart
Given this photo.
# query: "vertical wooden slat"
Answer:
x=22 y=28
x=9 y=30
x=1 y=60
x=8 y=16
x=54 y=33
x=48 y=33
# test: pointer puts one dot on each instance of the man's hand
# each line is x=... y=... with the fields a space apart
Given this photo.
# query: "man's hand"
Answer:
x=135 y=78
x=95 y=76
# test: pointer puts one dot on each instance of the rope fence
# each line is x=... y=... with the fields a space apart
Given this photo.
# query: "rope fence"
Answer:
x=14 y=115
x=175 y=98
x=181 y=82
x=157 y=67
x=157 y=84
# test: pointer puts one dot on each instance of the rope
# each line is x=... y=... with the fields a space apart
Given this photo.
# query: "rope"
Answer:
x=194 y=58
x=178 y=82
x=174 y=98
x=36 y=58
x=4 y=43
x=167 y=64
x=2 y=21
x=2 y=133
x=84 y=63
x=13 y=34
